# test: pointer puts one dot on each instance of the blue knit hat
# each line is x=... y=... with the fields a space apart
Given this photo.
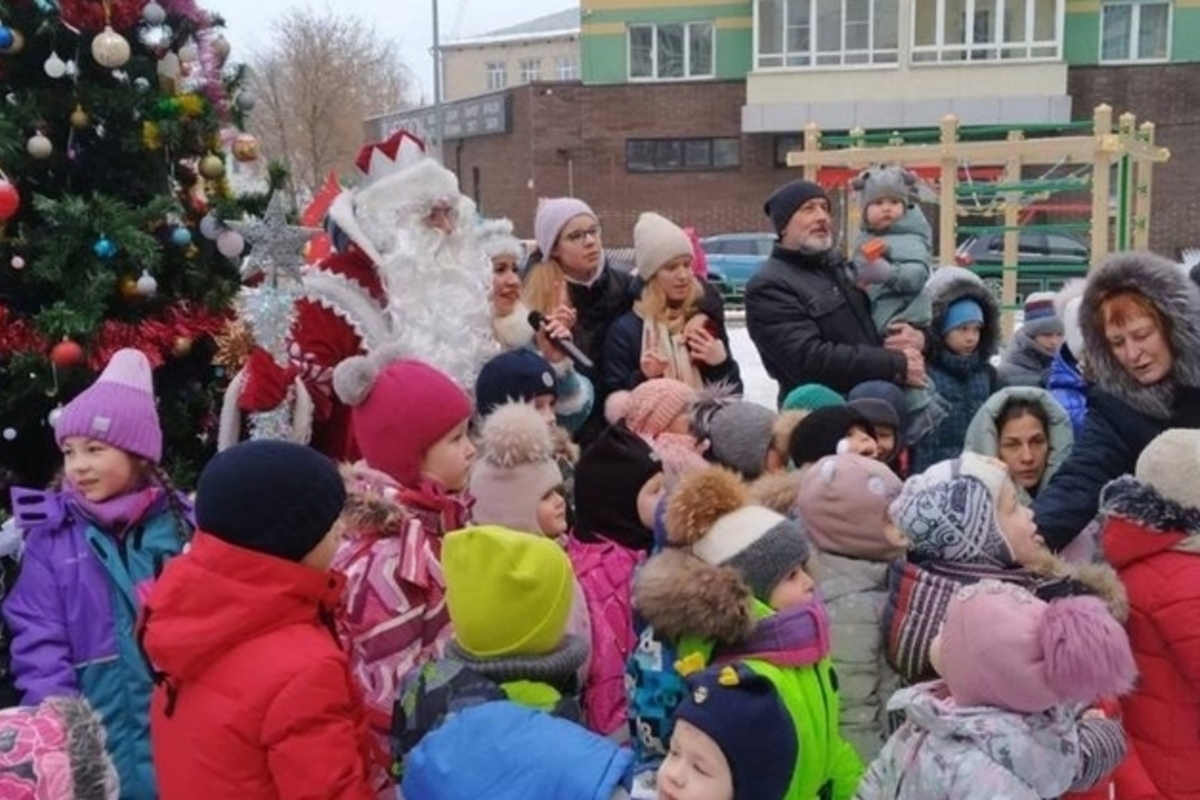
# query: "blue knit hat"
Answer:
x=961 y=312
x=520 y=375
x=742 y=712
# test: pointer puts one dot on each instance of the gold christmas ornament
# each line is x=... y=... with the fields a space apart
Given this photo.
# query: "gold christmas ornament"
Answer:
x=79 y=118
x=110 y=49
x=245 y=147
x=233 y=346
x=128 y=289
x=212 y=167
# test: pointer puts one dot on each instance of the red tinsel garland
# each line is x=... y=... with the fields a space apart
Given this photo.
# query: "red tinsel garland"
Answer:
x=158 y=337
x=88 y=15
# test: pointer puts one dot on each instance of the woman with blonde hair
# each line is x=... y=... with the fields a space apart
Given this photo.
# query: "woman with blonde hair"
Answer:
x=677 y=326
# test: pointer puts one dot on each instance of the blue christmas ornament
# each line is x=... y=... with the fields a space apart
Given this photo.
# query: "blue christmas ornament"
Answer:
x=181 y=237
x=104 y=248
x=6 y=37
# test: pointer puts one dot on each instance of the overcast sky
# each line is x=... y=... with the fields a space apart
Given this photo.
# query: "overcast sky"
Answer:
x=409 y=23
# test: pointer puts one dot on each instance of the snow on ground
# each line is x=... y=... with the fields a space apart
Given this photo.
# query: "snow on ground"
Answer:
x=759 y=387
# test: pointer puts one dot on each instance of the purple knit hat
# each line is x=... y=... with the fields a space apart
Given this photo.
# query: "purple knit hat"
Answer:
x=553 y=214
x=118 y=409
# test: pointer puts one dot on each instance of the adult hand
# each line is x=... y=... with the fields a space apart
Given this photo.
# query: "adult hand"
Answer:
x=902 y=336
x=915 y=375
x=706 y=348
x=653 y=364
x=553 y=328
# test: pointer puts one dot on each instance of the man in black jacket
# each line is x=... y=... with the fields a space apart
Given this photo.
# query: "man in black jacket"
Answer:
x=806 y=317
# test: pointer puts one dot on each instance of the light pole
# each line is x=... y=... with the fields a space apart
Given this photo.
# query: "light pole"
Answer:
x=438 y=123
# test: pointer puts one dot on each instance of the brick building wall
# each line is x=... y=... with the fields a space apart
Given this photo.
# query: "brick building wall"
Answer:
x=570 y=137
x=1169 y=96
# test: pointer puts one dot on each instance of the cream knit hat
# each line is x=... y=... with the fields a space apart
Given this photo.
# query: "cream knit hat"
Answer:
x=657 y=240
x=516 y=470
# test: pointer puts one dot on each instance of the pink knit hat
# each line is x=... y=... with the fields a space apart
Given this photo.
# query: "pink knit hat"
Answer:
x=843 y=501
x=516 y=468
x=553 y=214
x=118 y=409
x=655 y=404
x=400 y=409
x=1001 y=646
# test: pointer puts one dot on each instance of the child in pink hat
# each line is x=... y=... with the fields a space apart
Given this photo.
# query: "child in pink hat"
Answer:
x=93 y=547
x=1003 y=719
x=410 y=422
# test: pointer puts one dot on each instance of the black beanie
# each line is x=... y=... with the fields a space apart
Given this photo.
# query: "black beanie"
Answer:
x=272 y=497
x=787 y=199
x=608 y=479
x=519 y=374
x=819 y=432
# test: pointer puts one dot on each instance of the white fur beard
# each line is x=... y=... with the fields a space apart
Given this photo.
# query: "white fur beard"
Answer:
x=439 y=307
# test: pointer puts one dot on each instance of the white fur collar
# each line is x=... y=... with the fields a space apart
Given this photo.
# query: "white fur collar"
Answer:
x=513 y=331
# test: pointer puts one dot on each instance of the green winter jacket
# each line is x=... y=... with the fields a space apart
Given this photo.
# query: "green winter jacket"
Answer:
x=902 y=298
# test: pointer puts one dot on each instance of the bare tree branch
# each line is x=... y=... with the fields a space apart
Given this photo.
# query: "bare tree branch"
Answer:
x=320 y=77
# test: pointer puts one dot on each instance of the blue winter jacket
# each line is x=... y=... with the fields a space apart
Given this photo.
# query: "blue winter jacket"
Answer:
x=503 y=751
x=1068 y=387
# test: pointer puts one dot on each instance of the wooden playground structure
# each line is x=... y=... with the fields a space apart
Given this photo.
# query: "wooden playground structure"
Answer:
x=1118 y=156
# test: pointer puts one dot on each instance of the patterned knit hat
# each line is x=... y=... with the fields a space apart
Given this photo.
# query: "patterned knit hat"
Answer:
x=810 y=397
x=118 y=409
x=844 y=502
x=1001 y=646
x=1040 y=315
x=709 y=513
x=400 y=409
x=515 y=470
x=508 y=593
x=742 y=712
x=652 y=406
x=55 y=750
x=948 y=512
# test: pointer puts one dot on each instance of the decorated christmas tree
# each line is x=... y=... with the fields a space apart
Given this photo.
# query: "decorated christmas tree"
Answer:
x=116 y=119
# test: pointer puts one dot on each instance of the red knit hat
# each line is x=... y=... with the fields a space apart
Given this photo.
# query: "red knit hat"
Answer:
x=400 y=410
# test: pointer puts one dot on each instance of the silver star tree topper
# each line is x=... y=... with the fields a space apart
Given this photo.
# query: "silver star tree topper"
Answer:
x=275 y=246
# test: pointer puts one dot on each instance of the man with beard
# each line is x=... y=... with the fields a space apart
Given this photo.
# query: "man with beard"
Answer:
x=809 y=321
x=407 y=271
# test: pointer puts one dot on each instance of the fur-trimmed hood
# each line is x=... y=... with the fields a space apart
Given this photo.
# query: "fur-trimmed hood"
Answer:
x=777 y=491
x=1165 y=285
x=983 y=436
x=949 y=284
x=680 y=595
x=1099 y=580
x=376 y=504
x=1139 y=522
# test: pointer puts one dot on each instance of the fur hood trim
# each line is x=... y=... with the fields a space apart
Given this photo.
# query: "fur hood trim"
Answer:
x=701 y=498
x=1165 y=285
x=680 y=595
x=949 y=284
x=983 y=435
x=372 y=499
x=1140 y=503
x=777 y=491
x=1098 y=579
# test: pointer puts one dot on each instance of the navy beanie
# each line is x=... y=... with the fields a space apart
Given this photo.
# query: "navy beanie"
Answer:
x=742 y=712
x=272 y=497
x=521 y=375
x=787 y=199
x=819 y=433
x=880 y=392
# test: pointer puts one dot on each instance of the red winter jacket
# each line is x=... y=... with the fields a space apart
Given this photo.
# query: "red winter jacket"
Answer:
x=256 y=701
x=1155 y=547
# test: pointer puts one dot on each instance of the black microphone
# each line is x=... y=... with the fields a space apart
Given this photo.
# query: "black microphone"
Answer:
x=538 y=322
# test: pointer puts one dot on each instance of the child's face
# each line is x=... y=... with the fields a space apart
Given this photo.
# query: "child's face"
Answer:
x=98 y=471
x=321 y=556
x=776 y=461
x=1017 y=525
x=883 y=214
x=545 y=403
x=449 y=460
x=506 y=285
x=794 y=590
x=964 y=339
x=1049 y=342
x=695 y=767
x=861 y=442
x=647 y=501
x=552 y=514
x=885 y=438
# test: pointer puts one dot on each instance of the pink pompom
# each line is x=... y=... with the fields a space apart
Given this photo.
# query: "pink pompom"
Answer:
x=1087 y=652
x=615 y=407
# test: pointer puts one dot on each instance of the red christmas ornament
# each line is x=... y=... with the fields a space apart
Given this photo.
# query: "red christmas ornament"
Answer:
x=10 y=200
x=66 y=354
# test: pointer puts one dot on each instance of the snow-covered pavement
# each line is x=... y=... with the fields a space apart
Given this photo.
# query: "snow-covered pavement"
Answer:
x=759 y=387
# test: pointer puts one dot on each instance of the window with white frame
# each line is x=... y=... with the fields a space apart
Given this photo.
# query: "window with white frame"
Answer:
x=531 y=70
x=1135 y=31
x=497 y=75
x=986 y=30
x=818 y=33
x=567 y=68
x=671 y=51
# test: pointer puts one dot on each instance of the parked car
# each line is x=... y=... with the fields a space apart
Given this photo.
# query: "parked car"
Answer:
x=1044 y=260
x=733 y=258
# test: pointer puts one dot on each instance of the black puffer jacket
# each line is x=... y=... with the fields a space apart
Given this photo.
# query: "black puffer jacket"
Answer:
x=1124 y=416
x=811 y=325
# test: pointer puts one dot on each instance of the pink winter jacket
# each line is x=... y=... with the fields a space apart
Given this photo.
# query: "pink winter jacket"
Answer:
x=605 y=573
